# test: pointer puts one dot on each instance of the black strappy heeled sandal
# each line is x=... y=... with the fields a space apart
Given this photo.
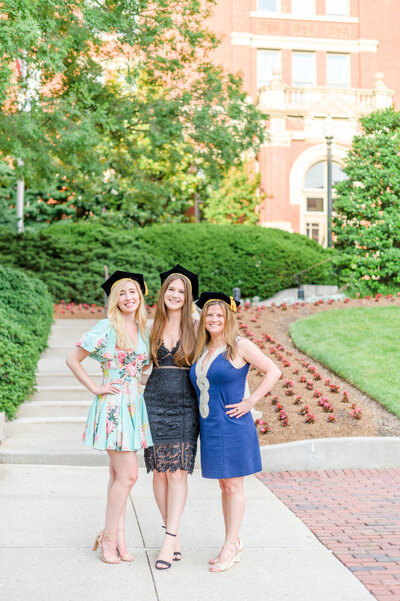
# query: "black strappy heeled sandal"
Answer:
x=177 y=554
x=162 y=562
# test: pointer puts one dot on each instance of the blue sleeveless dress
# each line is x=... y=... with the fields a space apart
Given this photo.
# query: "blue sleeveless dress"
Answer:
x=229 y=446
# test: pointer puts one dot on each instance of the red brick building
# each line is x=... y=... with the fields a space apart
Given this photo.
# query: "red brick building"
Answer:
x=312 y=65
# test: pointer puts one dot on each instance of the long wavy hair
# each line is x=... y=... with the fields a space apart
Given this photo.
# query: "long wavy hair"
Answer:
x=230 y=332
x=184 y=354
x=124 y=341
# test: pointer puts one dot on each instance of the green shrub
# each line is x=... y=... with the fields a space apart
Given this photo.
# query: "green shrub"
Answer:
x=26 y=313
x=70 y=258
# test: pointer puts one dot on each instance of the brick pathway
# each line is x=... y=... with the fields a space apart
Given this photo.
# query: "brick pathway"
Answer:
x=356 y=514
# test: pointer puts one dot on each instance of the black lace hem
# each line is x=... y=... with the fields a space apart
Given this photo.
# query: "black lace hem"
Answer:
x=171 y=456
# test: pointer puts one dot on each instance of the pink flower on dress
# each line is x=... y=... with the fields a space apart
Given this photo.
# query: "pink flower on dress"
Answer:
x=131 y=368
x=143 y=441
x=121 y=356
x=109 y=427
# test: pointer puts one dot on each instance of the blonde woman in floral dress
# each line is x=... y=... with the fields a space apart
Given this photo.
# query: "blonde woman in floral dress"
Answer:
x=117 y=420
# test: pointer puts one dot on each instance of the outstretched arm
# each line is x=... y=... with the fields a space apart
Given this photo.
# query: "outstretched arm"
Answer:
x=256 y=358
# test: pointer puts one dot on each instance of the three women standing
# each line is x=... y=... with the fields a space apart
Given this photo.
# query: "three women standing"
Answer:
x=172 y=404
x=117 y=421
x=217 y=366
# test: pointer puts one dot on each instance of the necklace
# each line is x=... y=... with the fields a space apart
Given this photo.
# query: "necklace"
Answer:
x=216 y=345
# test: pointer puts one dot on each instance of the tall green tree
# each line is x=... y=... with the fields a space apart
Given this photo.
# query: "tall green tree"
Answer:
x=116 y=140
x=367 y=207
x=236 y=200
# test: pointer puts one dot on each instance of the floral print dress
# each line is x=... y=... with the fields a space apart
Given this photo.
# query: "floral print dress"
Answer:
x=117 y=422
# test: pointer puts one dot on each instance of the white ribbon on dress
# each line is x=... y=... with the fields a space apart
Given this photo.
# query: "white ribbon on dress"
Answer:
x=202 y=381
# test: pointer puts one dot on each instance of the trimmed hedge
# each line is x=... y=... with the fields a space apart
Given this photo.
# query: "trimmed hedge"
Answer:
x=70 y=257
x=26 y=314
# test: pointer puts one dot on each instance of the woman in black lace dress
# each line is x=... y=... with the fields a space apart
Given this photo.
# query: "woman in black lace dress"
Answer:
x=172 y=404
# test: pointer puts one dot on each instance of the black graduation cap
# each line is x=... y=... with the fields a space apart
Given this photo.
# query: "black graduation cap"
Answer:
x=189 y=275
x=120 y=275
x=207 y=297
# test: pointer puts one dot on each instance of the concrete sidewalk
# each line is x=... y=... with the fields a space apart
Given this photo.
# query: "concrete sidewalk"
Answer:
x=50 y=515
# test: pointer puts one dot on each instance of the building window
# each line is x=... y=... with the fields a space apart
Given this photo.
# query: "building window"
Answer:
x=337 y=8
x=316 y=199
x=303 y=66
x=315 y=176
x=315 y=204
x=338 y=70
x=271 y=6
x=267 y=62
x=312 y=231
x=303 y=7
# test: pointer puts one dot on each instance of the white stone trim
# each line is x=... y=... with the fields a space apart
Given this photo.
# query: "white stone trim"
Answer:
x=278 y=225
x=304 y=162
x=264 y=14
x=274 y=42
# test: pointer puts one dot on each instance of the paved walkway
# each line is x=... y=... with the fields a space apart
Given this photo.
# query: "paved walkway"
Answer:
x=356 y=514
x=49 y=516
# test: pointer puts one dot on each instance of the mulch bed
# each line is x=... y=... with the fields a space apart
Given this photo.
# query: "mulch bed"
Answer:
x=269 y=328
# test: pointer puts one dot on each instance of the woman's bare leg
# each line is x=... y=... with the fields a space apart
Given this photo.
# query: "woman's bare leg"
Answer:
x=176 y=500
x=160 y=489
x=235 y=504
x=123 y=475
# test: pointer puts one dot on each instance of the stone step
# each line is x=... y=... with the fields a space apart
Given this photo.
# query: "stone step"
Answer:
x=28 y=424
x=55 y=442
x=53 y=362
x=66 y=341
x=49 y=409
x=58 y=331
x=74 y=324
x=62 y=393
x=61 y=379
x=61 y=351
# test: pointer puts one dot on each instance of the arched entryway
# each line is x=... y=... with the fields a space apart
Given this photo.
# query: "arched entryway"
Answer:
x=309 y=189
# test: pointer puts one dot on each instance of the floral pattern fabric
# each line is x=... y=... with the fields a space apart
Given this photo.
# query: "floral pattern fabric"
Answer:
x=117 y=422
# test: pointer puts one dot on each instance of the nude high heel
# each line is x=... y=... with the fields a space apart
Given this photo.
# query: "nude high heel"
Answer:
x=98 y=543
x=213 y=560
x=223 y=567
x=127 y=556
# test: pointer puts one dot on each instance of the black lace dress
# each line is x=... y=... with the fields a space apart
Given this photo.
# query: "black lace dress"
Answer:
x=173 y=412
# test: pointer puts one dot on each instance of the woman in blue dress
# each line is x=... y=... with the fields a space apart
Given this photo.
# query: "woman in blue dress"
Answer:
x=228 y=437
x=117 y=420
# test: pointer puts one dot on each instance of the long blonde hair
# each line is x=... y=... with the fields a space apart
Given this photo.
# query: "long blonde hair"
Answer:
x=230 y=332
x=184 y=354
x=124 y=341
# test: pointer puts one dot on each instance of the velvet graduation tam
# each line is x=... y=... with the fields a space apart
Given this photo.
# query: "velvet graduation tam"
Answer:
x=189 y=275
x=208 y=297
x=120 y=275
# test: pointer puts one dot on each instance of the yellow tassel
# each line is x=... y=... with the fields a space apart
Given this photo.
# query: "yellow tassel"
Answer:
x=146 y=290
x=233 y=304
x=193 y=308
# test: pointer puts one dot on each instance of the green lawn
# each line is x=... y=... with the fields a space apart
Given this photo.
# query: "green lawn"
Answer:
x=362 y=345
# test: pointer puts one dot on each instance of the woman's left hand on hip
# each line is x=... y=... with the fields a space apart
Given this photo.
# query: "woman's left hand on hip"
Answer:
x=239 y=409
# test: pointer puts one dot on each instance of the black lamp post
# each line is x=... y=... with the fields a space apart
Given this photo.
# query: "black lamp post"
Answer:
x=329 y=140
